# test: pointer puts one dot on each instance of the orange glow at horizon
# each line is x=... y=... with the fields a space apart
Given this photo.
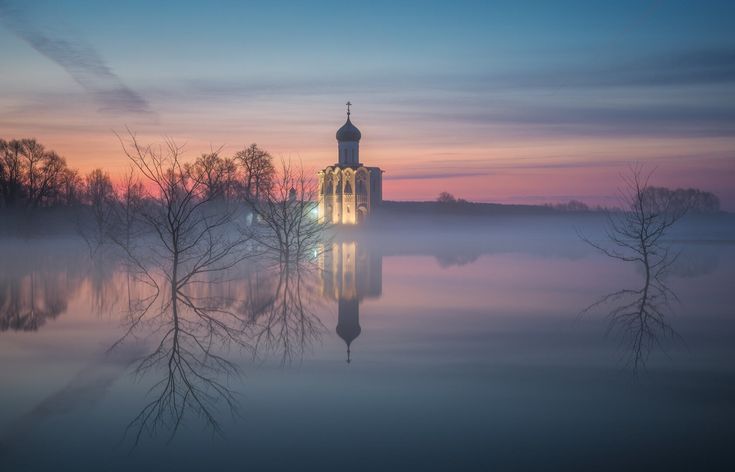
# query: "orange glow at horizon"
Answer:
x=419 y=163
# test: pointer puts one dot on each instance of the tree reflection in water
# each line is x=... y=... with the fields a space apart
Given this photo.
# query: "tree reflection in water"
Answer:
x=282 y=319
x=37 y=283
x=189 y=340
x=637 y=234
x=638 y=318
x=27 y=302
x=194 y=330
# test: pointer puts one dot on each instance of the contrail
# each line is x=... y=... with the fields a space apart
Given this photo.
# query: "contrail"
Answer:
x=83 y=63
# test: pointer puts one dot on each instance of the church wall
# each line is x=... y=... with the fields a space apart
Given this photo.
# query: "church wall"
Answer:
x=349 y=207
x=376 y=186
x=352 y=191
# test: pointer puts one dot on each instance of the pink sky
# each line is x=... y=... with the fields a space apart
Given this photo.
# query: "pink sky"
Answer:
x=534 y=105
x=492 y=164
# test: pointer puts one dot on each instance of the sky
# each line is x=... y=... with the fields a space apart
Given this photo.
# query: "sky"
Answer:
x=502 y=101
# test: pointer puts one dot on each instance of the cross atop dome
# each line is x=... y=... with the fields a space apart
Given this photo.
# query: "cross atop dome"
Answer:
x=349 y=133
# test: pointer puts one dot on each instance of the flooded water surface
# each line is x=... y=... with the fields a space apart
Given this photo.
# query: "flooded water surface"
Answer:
x=510 y=346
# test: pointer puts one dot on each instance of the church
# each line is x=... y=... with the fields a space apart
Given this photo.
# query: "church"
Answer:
x=349 y=191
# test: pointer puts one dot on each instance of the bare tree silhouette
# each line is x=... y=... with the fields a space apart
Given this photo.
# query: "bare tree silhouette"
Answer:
x=97 y=221
x=637 y=232
x=194 y=239
x=287 y=211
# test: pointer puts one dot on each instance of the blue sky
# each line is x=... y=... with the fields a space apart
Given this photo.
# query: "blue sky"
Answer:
x=473 y=97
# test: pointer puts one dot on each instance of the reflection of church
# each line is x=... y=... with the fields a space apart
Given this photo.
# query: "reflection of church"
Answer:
x=349 y=274
x=349 y=191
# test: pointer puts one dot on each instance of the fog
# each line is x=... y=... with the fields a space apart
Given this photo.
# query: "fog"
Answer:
x=407 y=314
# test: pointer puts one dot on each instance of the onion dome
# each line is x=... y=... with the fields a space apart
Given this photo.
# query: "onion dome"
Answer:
x=348 y=132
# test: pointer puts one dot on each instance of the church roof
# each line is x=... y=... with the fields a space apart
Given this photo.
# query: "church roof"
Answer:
x=348 y=132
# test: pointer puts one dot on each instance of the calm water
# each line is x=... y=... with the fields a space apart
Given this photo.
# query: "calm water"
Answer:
x=469 y=349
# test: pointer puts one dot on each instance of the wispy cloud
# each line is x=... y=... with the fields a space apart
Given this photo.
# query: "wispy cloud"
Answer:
x=80 y=60
x=433 y=175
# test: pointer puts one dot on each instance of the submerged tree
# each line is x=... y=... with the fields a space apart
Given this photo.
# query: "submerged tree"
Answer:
x=127 y=208
x=637 y=232
x=97 y=221
x=195 y=238
x=290 y=226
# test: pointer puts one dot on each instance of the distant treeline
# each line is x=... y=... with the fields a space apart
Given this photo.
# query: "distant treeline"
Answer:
x=665 y=199
x=461 y=207
x=32 y=177
x=40 y=193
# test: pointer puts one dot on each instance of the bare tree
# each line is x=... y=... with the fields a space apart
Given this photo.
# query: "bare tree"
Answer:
x=71 y=188
x=197 y=234
x=217 y=174
x=258 y=169
x=32 y=176
x=637 y=232
x=43 y=169
x=11 y=171
x=287 y=211
x=128 y=205
x=194 y=240
x=446 y=197
x=100 y=197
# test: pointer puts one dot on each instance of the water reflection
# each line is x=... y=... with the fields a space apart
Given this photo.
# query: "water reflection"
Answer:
x=350 y=273
x=638 y=317
x=36 y=285
x=27 y=302
x=85 y=389
x=190 y=327
x=199 y=332
x=281 y=308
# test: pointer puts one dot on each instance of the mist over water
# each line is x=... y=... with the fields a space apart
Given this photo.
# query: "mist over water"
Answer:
x=501 y=343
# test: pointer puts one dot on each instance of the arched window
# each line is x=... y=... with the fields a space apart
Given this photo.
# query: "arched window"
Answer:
x=348 y=187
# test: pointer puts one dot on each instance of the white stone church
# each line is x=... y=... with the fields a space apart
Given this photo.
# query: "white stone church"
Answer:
x=348 y=190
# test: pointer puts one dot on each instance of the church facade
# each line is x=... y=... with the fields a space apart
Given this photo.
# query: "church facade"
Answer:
x=349 y=191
